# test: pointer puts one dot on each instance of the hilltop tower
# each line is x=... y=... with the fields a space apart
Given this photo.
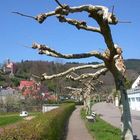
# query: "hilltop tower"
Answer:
x=9 y=67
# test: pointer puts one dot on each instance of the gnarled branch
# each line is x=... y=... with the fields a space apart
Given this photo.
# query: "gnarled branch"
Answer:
x=43 y=49
x=47 y=77
x=97 y=10
x=75 y=89
x=79 y=24
x=94 y=76
x=99 y=13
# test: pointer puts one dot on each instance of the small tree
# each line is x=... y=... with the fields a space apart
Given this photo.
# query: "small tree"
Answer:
x=112 y=56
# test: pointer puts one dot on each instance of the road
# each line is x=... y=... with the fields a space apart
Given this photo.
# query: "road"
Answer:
x=111 y=114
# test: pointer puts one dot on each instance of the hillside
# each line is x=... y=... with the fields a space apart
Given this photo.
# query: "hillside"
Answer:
x=133 y=64
x=25 y=69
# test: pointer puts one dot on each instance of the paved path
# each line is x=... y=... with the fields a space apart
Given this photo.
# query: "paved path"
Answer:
x=111 y=114
x=76 y=127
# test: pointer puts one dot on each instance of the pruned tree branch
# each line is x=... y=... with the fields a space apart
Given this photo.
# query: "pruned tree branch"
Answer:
x=18 y=13
x=94 y=76
x=36 y=76
x=79 y=24
x=112 y=11
x=59 y=3
x=121 y=21
x=97 y=10
x=92 y=82
x=47 y=77
x=75 y=89
x=87 y=81
x=65 y=10
x=40 y=18
x=43 y=49
x=99 y=13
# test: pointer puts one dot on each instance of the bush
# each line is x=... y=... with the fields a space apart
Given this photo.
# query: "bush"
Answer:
x=73 y=101
x=48 y=126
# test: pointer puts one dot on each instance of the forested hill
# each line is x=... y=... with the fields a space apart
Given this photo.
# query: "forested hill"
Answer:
x=25 y=69
x=133 y=64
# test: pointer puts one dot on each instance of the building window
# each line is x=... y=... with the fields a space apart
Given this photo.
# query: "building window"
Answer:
x=138 y=99
x=133 y=99
x=129 y=100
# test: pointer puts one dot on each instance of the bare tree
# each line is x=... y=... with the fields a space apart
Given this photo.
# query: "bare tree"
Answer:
x=89 y=87
x=89 y=83
x=86 y=79
x=112 y=56
x=84 y=92
x=75 y=93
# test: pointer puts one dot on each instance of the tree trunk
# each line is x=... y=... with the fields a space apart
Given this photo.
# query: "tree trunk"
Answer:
x=126 y=123
x=88 y=105
x=88 y=100
x=84 y=103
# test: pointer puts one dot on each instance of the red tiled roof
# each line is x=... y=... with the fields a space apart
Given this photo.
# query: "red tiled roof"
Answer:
x=25 y=83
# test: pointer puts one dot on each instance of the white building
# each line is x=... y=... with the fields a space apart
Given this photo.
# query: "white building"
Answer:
x=134 y=98
x=134 y=95
x=136 y=83
x=49 y=107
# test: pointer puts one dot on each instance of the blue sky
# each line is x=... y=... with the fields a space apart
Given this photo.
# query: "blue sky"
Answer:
x=17 y=32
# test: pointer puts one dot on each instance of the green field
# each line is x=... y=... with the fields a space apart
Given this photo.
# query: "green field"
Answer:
x=11 y=118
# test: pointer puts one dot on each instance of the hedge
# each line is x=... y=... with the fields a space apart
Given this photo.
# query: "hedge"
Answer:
x=48 y=126
x=73 y=101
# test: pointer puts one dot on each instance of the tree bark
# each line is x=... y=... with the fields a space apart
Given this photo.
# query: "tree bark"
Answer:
x=126 y=123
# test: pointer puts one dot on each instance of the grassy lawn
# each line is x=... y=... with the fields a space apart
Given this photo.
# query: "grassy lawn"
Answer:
x=11 y=118
x=102 y=130
x=6 y=120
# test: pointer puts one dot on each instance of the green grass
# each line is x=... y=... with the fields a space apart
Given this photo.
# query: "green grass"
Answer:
x=102 y=130
x=11 y=118
x=6 y=120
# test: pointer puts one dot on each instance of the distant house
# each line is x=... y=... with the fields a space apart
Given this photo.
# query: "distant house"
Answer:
x=134 y=95
x=29 y=88
x=9 y=67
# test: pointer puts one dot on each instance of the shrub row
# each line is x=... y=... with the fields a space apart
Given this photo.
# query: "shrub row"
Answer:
x=73 y=101
x=48 y=126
